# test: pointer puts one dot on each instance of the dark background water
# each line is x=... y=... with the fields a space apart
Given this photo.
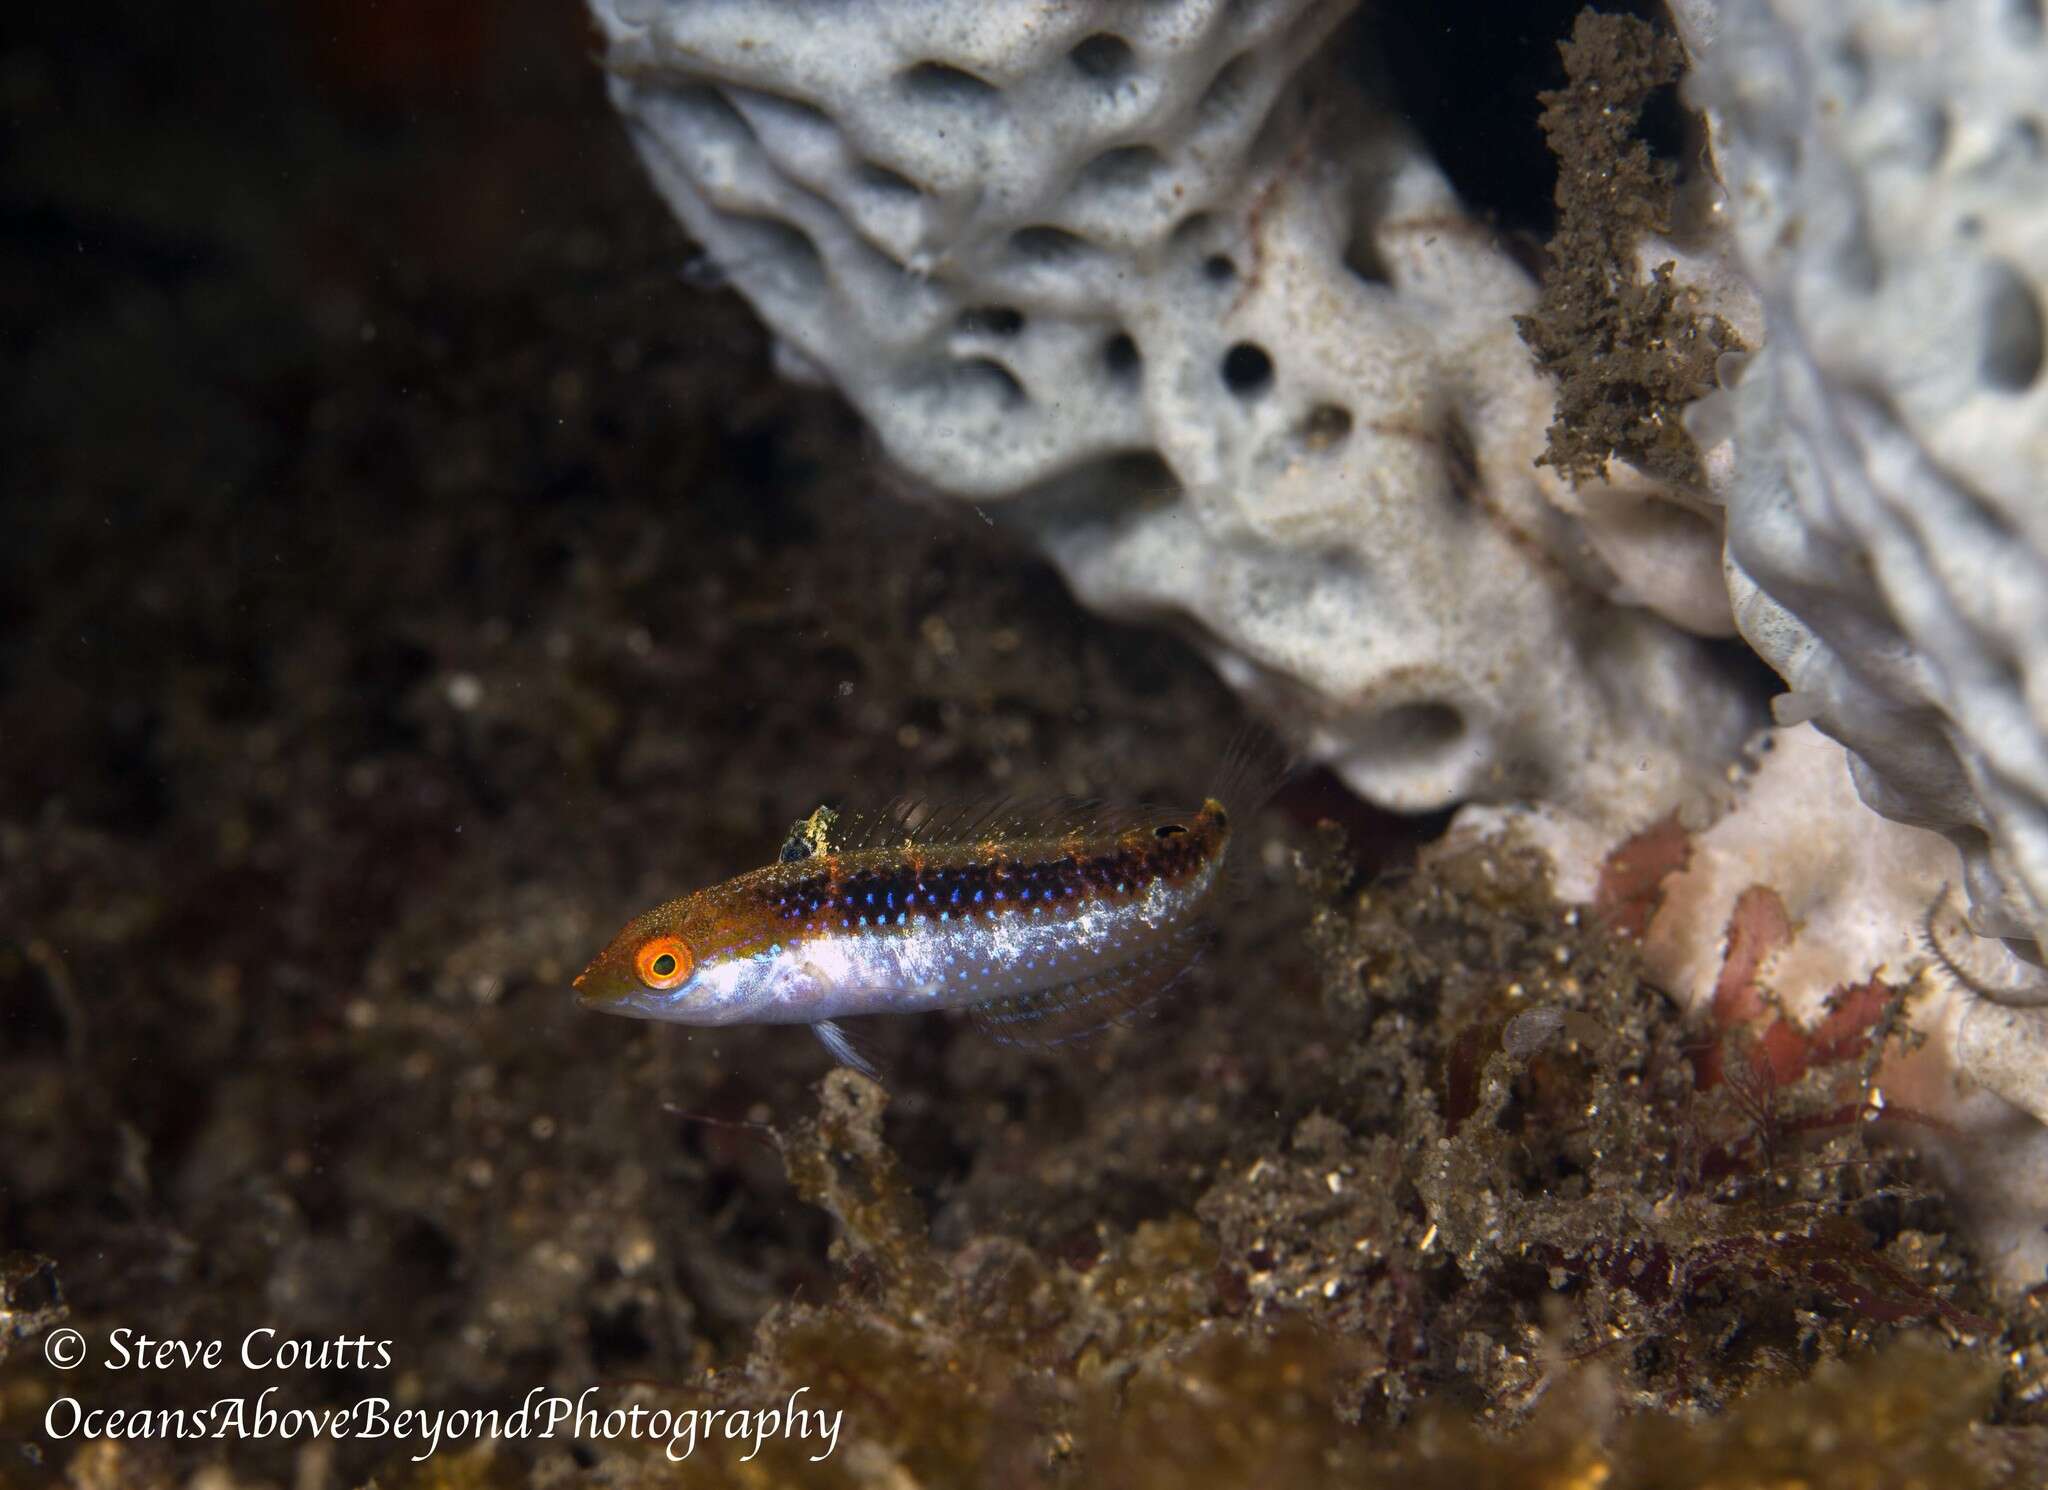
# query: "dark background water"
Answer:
x=407 y=575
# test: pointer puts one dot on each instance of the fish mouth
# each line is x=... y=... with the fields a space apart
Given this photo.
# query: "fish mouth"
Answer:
x=603 y=997
x=627 y=1007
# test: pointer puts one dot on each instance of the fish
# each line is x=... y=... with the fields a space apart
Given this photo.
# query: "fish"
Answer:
x=1044 y=921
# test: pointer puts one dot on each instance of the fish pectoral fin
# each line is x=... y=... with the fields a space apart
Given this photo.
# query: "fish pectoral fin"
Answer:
x=1066 y=1013
x=808 y=984
x=835 y=1037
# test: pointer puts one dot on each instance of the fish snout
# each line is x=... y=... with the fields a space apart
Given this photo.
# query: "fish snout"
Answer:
x=590 y=992
x=605 y=991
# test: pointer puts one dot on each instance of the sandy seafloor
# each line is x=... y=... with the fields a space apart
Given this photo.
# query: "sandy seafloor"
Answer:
x=411 y=567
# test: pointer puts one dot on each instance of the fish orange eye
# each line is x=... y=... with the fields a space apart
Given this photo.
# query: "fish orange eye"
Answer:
x=662 y=961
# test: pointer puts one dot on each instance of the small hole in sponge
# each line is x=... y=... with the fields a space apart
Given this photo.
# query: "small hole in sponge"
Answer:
x=1326 y=427
x=935 y=82
x=1418 y=729
x=1461 y=458
x=775 y=249
x=1168 y=830
x=991 y=320
x=2014 y=333
x=880 y=178
x=1219 y=269
x=1363 y=258
x=1226 y=94
x=1128 y=169
x=985 y=376
x=1247 y=370
x=1121 y=356
x=1047 y=245
x=1103 y=56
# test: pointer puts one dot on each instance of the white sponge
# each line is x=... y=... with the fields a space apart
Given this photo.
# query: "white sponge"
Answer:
x=1888 y=506
x=1204 y=316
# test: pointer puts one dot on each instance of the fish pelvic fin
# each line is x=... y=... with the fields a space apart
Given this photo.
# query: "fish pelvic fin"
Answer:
x=845 y=1049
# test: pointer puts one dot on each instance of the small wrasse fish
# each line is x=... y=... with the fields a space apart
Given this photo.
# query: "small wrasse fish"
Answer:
x=1044 y=921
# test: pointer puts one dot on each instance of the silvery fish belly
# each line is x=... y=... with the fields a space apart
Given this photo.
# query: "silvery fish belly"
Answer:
x=1045 y=922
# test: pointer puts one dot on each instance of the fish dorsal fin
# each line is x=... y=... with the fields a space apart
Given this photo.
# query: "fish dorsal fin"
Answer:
x=925 y=822
x=809 y=837
x=1069 y=1012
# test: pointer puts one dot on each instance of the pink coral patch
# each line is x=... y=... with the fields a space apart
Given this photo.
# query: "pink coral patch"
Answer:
x=1757 y=927
x=1632 y=877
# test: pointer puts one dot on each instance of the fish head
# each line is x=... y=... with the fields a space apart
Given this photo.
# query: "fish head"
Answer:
x=666 y=964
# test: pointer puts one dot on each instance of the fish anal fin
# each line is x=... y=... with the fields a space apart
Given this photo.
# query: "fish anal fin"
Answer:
x=1067 y=1013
